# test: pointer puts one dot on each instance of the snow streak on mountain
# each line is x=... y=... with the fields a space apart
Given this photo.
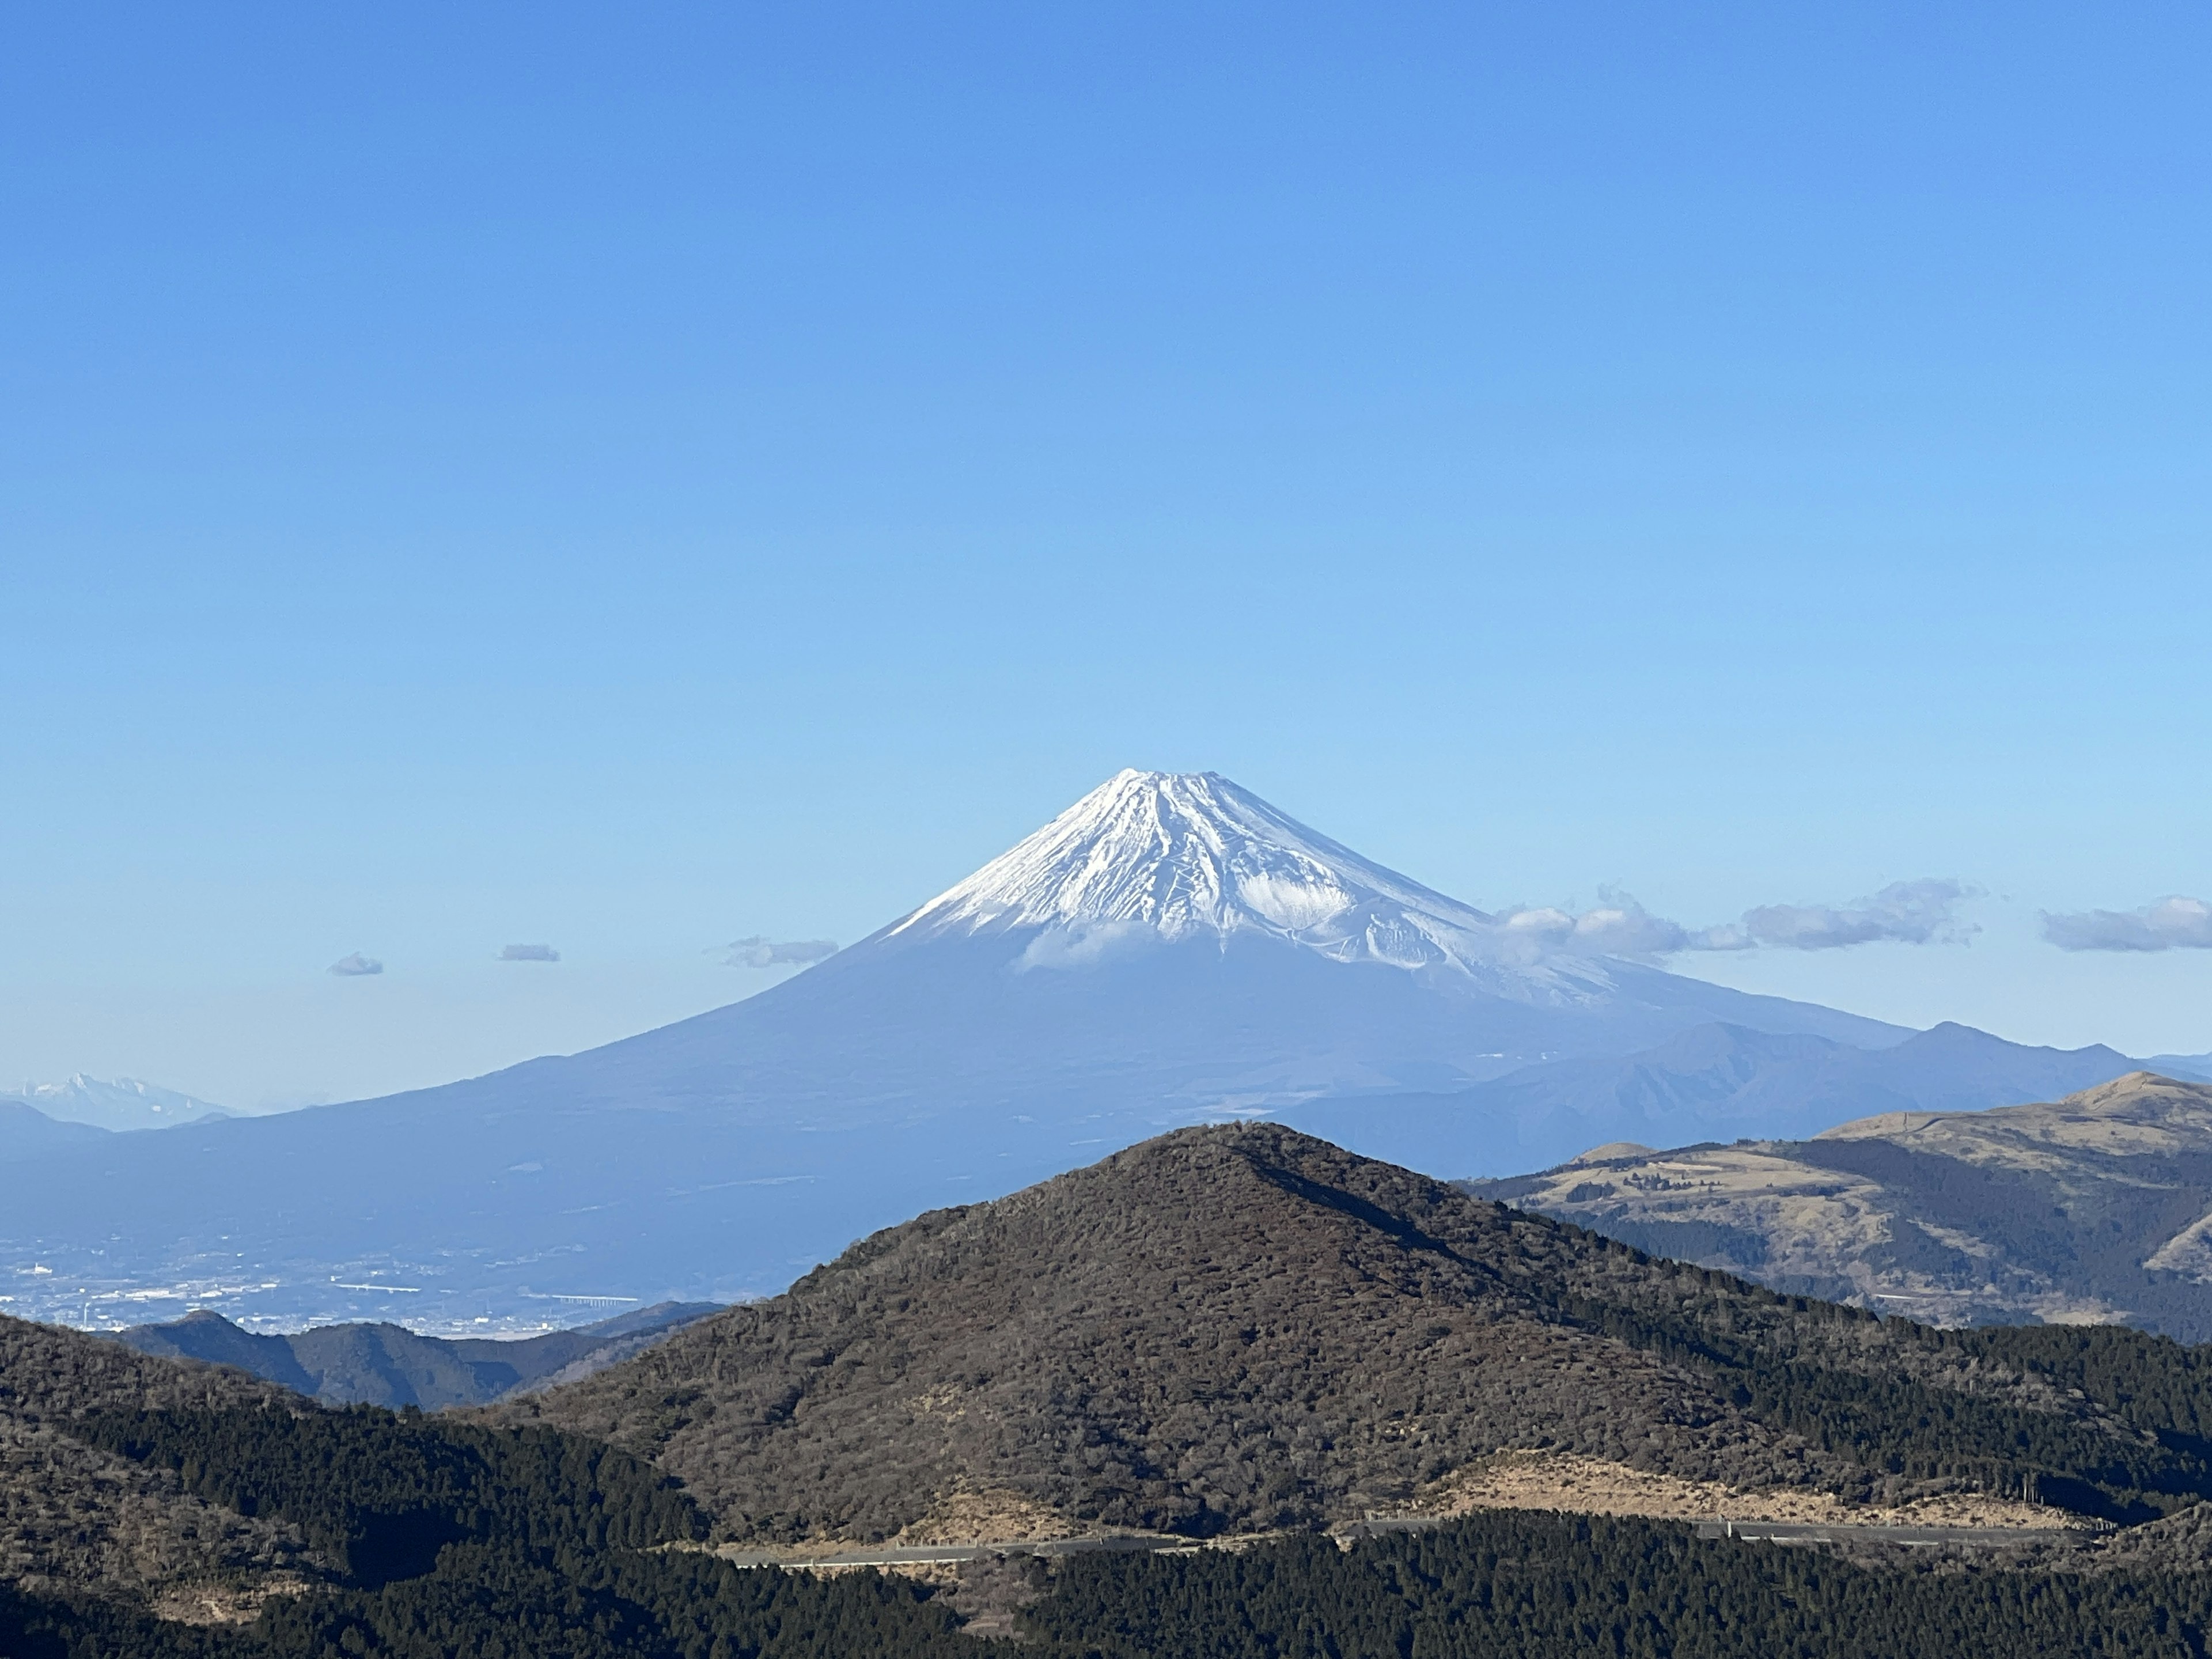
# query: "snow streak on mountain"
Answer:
x=1166 y=856
x=122 y=1104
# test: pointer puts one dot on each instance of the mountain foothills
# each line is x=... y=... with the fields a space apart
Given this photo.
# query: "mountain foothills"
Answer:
x=2096 y=1207
x=1232 y=1332
x=379 y=1364
x=1169 y=949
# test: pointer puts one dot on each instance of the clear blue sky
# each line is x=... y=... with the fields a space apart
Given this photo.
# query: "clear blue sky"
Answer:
x=633 y=477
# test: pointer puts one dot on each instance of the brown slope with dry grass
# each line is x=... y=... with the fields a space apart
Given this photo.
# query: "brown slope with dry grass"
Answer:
x=1234 y=1327
x=2094 y=1208
x=74 y=1516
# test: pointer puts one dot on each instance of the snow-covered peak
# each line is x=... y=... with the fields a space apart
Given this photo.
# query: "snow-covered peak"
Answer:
x=123 y=1103
x=1174 y=855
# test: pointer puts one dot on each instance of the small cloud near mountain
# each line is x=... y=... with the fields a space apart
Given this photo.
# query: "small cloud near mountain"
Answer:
x=760 y=951
x=350 y=966
x=2174 y=923
x=529 y=953
x=1617 y=926
x=1906 y=912
x=1084 y=945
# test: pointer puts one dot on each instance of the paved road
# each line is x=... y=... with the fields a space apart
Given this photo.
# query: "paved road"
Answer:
x=1767 y=1532
x=926 y=1553
x=1798 y=1532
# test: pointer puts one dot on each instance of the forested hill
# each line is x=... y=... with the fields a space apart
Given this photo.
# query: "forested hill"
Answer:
x=1239 y=1328
x=77 y=1514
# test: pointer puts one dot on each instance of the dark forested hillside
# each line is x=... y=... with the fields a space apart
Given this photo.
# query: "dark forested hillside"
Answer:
x=425 y=1538
x=1239 y=1328
x=1499 y=1586
x=1548 y=1586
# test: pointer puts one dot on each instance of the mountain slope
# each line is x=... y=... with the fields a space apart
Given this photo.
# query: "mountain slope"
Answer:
x=73 y=1515
x=1169 y=949
x=2098 y=1206
x=1239 y=1328
x=390 y=1365
x=27 y=1132
x=1711 y=1082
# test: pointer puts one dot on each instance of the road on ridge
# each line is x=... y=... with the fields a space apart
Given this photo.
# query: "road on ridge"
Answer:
x=1761 y=1532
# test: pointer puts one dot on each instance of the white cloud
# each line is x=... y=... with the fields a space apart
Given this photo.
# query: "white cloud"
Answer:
x=2173 y=923
x=529 y=953
x=1619 y=926
x=1616 y=927
x=1728 y=936
x=760 y=951
x=1085 y=945
x=1910 y=912
x=348 y=967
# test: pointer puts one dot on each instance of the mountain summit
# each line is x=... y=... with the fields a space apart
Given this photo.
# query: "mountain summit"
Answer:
x=1237 y=1329
x=1171 y=949
x=1163 y=857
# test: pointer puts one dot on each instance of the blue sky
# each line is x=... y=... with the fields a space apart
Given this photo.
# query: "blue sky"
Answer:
x=636 y=480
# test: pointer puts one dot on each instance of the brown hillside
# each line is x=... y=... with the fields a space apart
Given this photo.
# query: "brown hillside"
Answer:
x=74 y=1516
x=1233 y=1328
x=2095 y=1208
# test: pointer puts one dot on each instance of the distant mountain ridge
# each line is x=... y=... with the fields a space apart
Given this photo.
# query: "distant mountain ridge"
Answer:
x=122 y=1104
x=1711 y=1082
x=27 y=1132
x=378 y=1364
x=1169 y=949
x=2094 y=1208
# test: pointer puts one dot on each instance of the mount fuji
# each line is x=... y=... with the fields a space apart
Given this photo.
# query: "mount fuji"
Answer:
x=1169 y=949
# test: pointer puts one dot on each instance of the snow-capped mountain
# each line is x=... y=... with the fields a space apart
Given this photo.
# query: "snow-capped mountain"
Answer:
x=123 y=1103
x=1162 y=857
x=1169 y=949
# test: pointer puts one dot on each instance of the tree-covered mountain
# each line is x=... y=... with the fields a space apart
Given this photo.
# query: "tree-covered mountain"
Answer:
x=1239 y=1328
